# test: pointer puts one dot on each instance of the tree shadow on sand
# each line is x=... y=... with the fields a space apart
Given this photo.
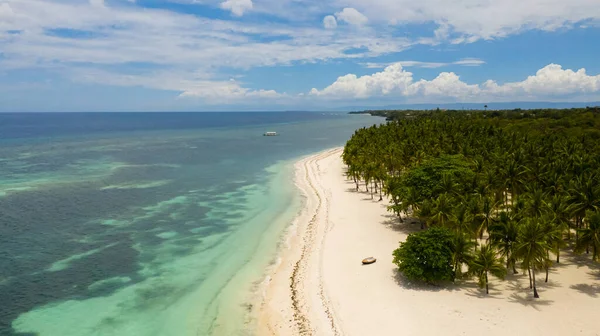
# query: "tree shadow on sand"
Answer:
x=522 y=294
x=580 y=260
x=591 y=290
x=408 y=226
x=405 y=283
x=472 y=289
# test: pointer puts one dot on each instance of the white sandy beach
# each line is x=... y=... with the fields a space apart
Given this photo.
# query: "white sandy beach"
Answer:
x=320 y=286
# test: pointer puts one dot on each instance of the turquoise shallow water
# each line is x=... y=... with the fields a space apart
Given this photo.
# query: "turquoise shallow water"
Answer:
x=156 y=229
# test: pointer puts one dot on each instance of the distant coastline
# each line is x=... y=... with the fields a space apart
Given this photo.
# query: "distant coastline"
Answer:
x=516 y=113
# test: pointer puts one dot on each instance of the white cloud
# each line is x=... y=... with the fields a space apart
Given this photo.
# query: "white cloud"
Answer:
x=446 y=84
x=392 y=80
x=329 y=22
x=119 y=35
x=97 y=3
x=550 y=81
x=116 y=34
x=406 y=64
x=351 y=16
x=187 y=85
x=470 y=62
x=431 y=65
x=131 y=34
x=6 y=11
x=475 y=19
x=237 y=7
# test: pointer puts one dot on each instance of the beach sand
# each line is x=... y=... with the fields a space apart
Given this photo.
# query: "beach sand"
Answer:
x=320 y=287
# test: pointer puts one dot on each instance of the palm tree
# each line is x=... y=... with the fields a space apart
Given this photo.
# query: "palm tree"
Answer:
x=448 y=184
x=462 y=252
x=486 y=217
x=353 y=173
x=411 y=200
x=535 y=205
x=486 y=261
x=585 y=195
x=531 y=248
x=560 y=212
x=553 y=233
x=425 y=213
x=442 y=210
x=590 y=235
x=503 y=235
x=513 y=173
x=461 y=219
x=394 y=189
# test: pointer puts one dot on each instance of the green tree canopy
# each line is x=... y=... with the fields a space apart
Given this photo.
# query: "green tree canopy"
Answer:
x=426 y=256
x=445 y=174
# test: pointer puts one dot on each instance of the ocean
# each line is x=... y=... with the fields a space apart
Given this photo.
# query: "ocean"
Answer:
x=147 y=223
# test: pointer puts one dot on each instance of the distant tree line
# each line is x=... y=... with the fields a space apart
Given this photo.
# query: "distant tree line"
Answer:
x=507 y=114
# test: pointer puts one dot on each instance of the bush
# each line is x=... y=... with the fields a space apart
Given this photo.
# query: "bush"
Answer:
x=426 y=256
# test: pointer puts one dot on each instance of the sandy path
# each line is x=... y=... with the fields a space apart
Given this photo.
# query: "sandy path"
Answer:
x=320 y=286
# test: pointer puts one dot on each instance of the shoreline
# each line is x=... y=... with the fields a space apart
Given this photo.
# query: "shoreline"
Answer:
x=287 y=294
x=319 y=287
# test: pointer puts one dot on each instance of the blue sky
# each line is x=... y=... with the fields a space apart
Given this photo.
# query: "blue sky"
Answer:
x=157 y=55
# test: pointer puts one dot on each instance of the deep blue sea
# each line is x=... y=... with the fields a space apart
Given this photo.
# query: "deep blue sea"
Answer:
x=147 y=223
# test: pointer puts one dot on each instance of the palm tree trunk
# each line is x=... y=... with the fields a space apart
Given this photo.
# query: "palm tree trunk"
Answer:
x=530 y=283
x=547 y=266
x=457 y=271
x=535 y=293
x=487 y=288
x=557 y=253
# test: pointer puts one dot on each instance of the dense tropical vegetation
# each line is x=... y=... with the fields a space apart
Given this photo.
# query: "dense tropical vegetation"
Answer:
x=512 y=187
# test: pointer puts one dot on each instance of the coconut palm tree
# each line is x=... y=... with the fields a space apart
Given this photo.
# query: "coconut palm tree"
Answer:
x=585 y=196
x=462 y=252
x=531 y=249
x=425 y=213
x=461 y=219
x=559 y=211
x=590 y=235
x=513 y=173
x=504 y=233
x=486 y=218
x=553 y=234
x=484 y=261
x=442 y=210
x=535 y=202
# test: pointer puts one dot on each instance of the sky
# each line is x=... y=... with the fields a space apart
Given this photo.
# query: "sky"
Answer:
x=211 y=55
